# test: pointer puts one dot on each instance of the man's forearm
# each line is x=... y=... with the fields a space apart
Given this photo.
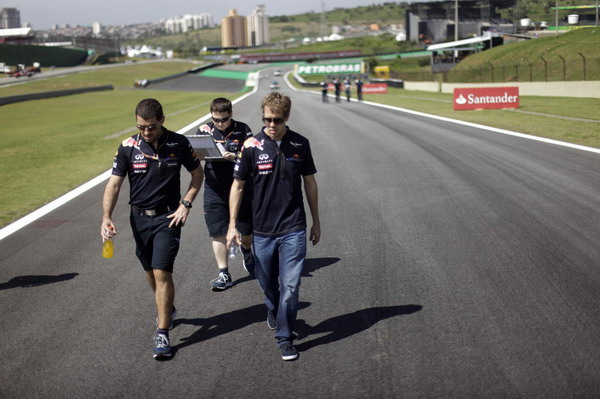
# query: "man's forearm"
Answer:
x=312 y=197
x=195 y=184
x=235 y=200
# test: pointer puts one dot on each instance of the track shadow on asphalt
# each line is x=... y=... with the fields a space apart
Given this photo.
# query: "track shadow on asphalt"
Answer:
x=35 y=281
x=225 y=323
x=344 y=326
x=310 y=266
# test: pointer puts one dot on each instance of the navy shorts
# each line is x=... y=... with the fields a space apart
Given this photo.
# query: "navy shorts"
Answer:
x=157 y=244
x=216 y=213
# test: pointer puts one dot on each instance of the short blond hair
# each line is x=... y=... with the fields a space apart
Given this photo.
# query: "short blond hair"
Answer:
x=277 y=103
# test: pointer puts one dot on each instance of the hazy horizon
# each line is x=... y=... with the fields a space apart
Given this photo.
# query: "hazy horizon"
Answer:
x=42 y=15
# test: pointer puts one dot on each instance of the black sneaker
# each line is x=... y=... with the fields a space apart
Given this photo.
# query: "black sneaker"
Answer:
x=222 y=282
x=173 y=316
x=248 y=260
x=288 y=352
x=271 y=320
x=162 y=347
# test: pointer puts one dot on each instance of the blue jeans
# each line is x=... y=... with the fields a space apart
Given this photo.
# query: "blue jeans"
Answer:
x=279 y=263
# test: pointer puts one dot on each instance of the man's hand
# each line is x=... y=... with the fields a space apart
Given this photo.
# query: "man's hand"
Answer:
x=315 y=234
x=233 y=236
x=107 y=229
x=179 y=217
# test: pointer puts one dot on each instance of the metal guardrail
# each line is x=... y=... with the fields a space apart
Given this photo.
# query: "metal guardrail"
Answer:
x=51 y=94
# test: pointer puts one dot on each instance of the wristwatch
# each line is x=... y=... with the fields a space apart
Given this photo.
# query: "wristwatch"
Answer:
x=187 y=204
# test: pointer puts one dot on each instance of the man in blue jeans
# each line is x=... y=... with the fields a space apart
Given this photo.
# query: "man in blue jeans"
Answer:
x=278 y=161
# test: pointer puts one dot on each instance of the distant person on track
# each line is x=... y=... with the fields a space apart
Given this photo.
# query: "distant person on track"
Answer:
x=152 y=159
x=359 y=85
x=277 y=161
x=347 y=88
x=219 y=177
x=324 y=88
x=338 y=89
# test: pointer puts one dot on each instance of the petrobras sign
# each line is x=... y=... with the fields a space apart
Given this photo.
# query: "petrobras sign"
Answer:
x=486 y=98
x=329 y=69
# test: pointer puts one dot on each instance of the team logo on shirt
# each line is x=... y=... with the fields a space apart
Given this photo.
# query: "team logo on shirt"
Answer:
x=265 y=166
x=172 y=160
x=130 y=142
x=254 y=143
x=295 y=144
x=205 y=128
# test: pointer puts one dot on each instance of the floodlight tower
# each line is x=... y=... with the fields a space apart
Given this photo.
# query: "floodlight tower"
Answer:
x=323 y=20
x=455 y=20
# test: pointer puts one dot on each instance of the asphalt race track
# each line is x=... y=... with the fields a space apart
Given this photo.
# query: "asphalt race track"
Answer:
x=454 y=262
x=199 y=83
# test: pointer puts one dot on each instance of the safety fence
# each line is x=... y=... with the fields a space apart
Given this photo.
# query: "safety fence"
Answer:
x=540 y=69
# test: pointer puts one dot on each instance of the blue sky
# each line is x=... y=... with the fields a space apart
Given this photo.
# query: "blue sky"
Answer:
x=43 y=14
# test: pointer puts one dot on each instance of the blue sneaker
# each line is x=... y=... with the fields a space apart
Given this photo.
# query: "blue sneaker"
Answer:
x=222 y=282
x=288 y=352
x=162 y=347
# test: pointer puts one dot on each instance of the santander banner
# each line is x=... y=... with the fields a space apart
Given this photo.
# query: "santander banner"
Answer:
x=486 y=98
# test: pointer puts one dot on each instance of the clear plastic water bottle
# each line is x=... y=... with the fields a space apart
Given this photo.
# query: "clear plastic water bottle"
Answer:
x=108 y=248
x=233 y=249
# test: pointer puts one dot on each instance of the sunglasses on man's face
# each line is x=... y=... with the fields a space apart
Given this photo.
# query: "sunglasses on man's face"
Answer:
x=277 y=121
x=149 y=128
x=223 y=120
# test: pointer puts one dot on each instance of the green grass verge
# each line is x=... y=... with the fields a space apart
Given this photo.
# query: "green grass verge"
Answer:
x=120 y=77
x=69 y=140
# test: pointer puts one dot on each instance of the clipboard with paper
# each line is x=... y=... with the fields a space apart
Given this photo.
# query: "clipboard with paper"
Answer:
x=206 y=147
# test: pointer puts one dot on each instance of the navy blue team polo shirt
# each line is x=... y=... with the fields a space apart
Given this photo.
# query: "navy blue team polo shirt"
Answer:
x=219 y=174
x=276 y=174
x=154 y=175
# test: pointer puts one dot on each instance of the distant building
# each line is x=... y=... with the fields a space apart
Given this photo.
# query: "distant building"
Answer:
x=10 y=18
x=233 y=30
x=96 y=28
x=433 y=22
x=258 y=27
x=188 y=22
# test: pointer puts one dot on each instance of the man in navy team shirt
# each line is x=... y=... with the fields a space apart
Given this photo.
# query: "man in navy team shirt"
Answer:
x=276 y=162
x=218 y=178
x=152 y=160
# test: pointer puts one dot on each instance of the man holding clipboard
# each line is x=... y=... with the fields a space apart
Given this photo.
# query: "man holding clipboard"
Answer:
x=219 y=143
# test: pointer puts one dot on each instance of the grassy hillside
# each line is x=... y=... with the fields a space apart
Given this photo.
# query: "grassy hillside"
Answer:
x=537 y=59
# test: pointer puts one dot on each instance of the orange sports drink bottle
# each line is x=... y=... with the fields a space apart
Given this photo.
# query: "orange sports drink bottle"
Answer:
x=108 y=248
